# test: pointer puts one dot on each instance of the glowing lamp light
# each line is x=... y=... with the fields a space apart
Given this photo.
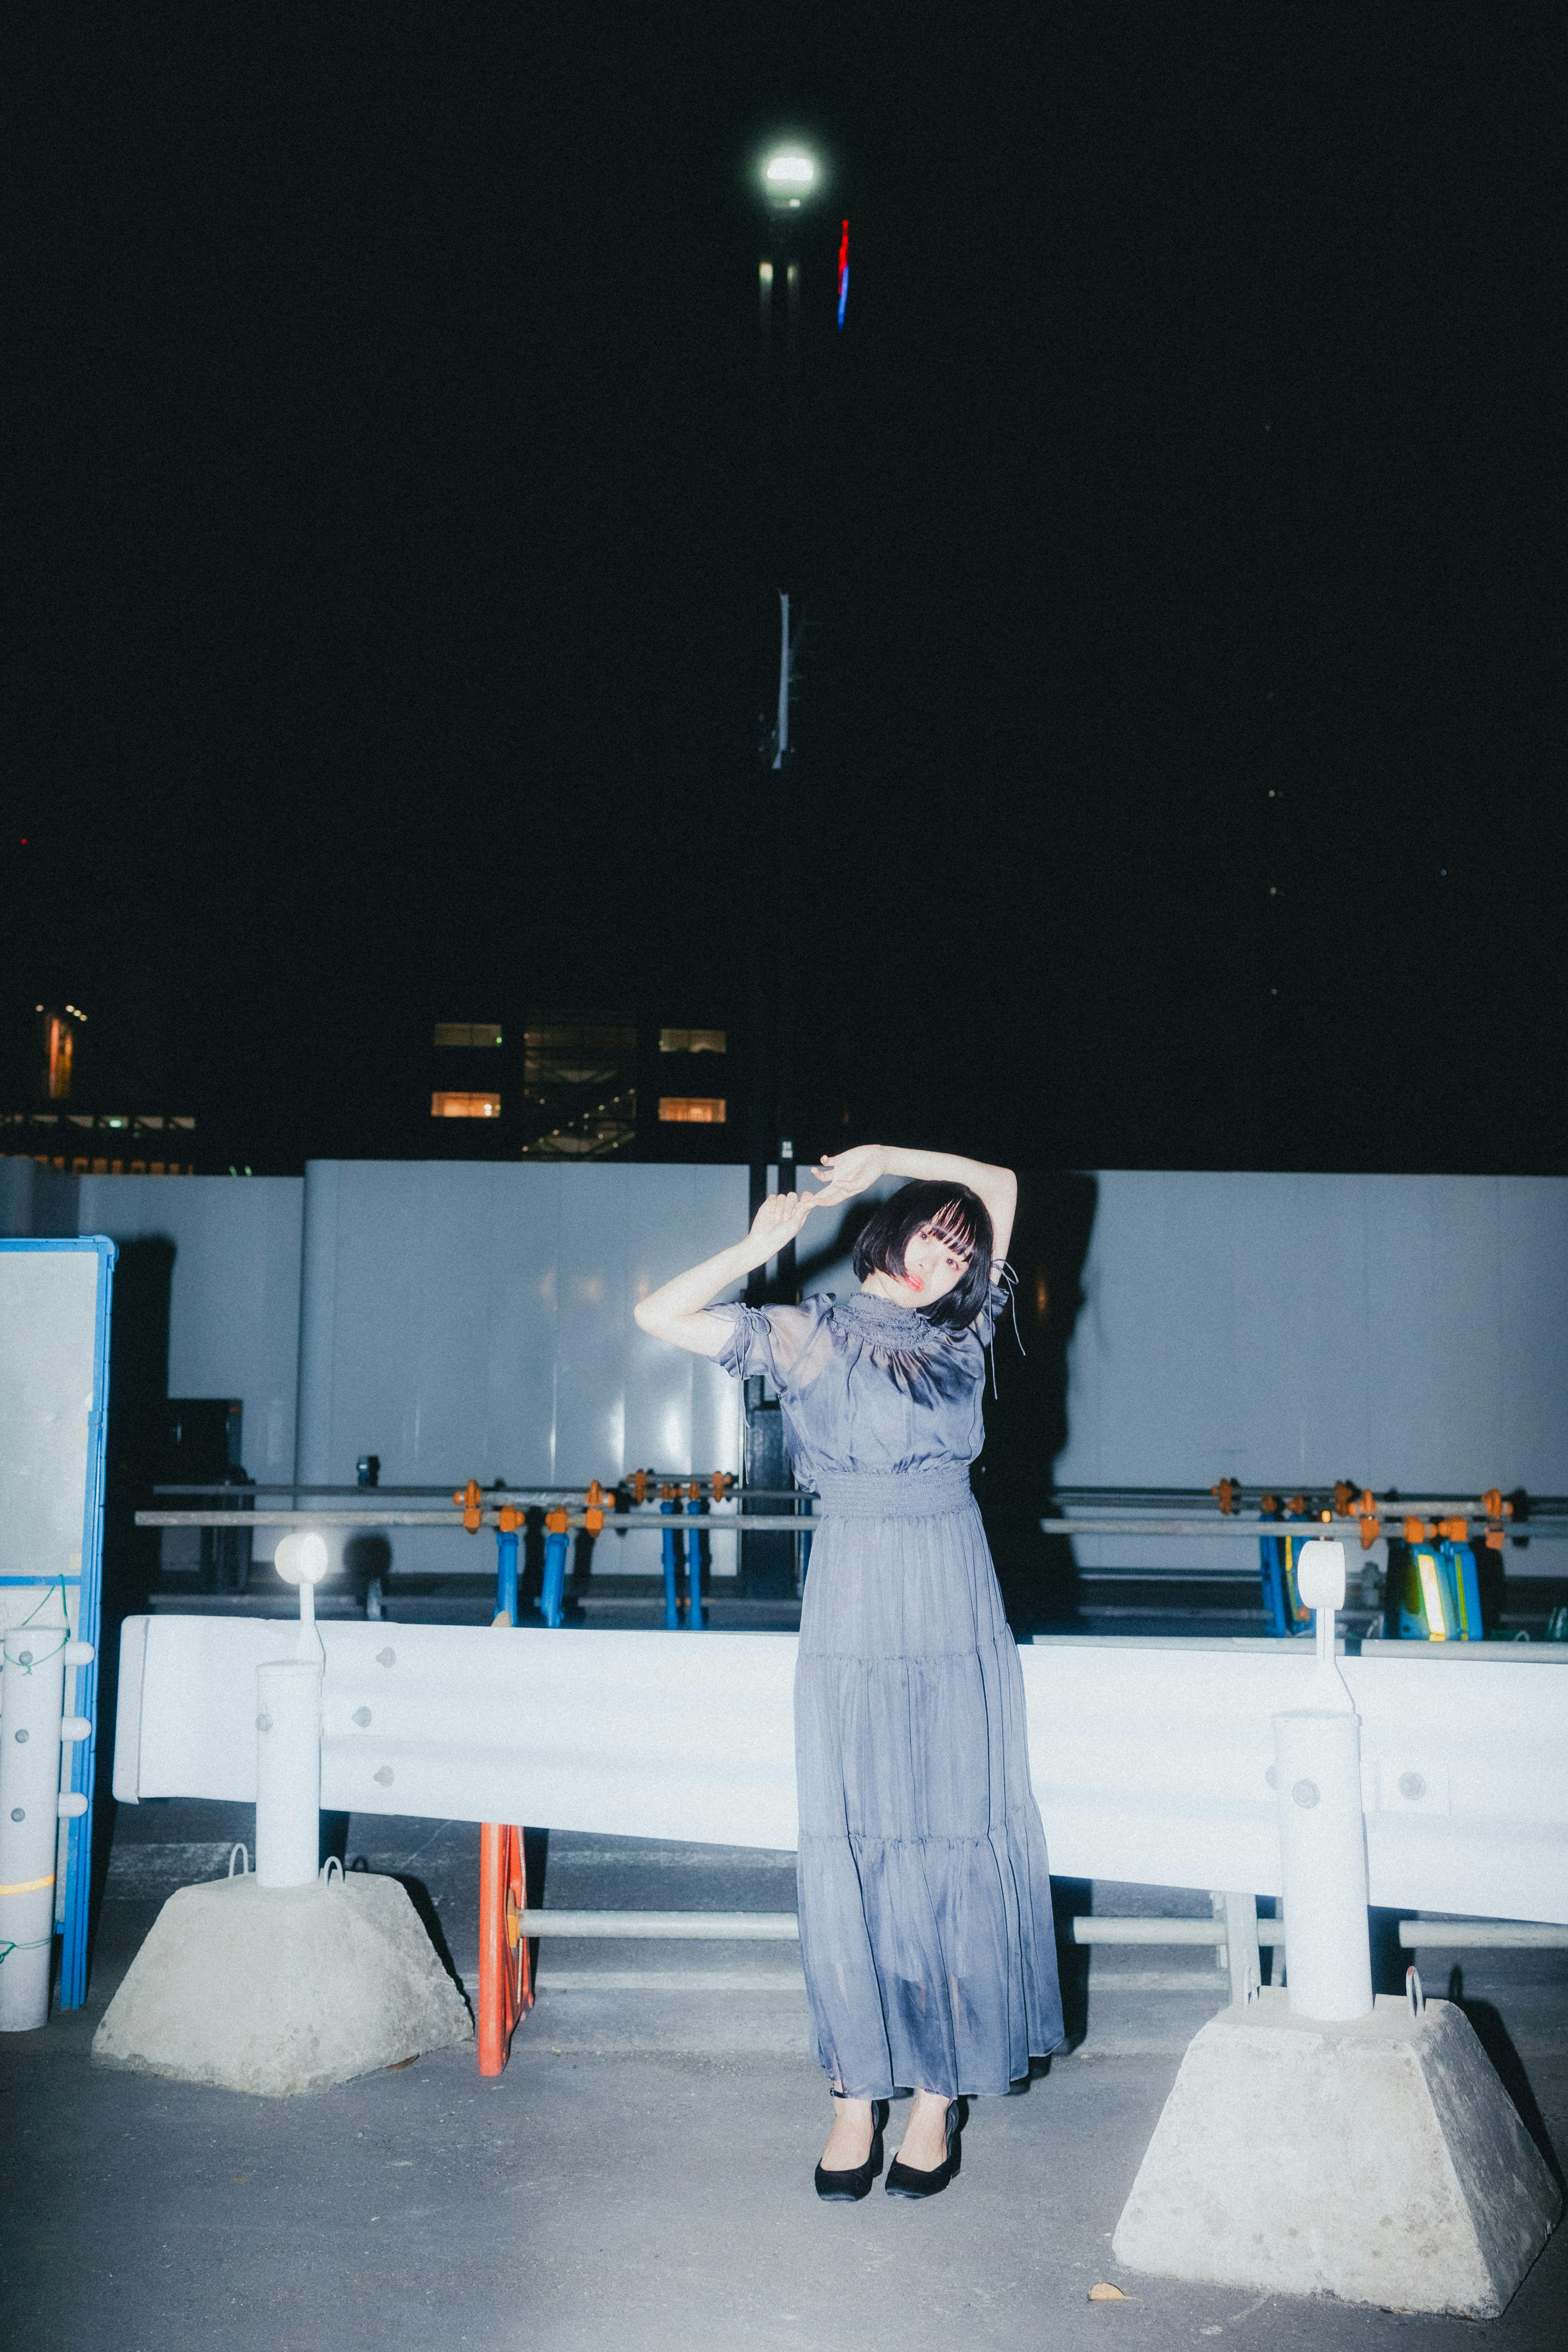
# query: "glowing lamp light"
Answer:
x=788 y=176
x=790 y=171
x=302 y=1559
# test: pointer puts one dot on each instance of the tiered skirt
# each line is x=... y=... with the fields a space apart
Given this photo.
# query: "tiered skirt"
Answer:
x=924 y=1888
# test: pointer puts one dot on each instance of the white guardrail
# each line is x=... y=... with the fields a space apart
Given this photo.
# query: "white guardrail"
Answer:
x=1151 y=1760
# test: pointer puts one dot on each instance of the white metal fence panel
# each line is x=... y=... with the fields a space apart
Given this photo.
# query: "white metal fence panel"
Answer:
x=1149 y=1761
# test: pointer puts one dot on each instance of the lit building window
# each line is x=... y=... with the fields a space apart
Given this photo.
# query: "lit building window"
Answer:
x=453 y=1106
x=692 y=1041
x=468 y=1033
x=698 y=1110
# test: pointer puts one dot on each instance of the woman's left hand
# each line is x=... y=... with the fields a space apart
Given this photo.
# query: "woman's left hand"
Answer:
x=849 y=1173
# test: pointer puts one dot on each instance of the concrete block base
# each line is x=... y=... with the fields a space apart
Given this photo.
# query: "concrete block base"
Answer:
x=279 y=1991
x=1381 y=2161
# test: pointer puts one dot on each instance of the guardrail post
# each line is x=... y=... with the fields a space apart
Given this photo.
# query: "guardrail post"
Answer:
x=1242 y=1955
x=288 y=1733
x=288 y=1773
x=1322 y=1837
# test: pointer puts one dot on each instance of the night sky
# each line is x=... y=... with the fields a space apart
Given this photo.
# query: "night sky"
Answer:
x=1182 y=726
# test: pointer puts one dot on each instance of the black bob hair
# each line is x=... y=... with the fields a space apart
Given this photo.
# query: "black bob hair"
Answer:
x=963 y=1220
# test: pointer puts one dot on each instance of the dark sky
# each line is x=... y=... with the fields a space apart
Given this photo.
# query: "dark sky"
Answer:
x=1182 y=774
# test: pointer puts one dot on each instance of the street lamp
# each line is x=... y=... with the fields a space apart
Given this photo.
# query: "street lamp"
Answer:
x=789 y=176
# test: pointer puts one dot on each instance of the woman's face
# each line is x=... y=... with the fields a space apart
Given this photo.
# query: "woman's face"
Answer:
x=932 y=1267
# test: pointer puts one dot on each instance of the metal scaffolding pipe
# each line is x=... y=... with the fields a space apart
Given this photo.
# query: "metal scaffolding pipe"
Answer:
x=618 y=1522
x=679 y=1926
x=758 y=1522
x=1167 y=1931
x=1501 y=1934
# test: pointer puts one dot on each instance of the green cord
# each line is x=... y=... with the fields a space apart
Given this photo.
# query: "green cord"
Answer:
x=35 y=1946
x=27 y=1620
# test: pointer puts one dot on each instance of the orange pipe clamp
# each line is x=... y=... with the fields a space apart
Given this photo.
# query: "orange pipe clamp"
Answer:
x=510 y=1518
x=471 y=1499
x=1227 y=1493
x=1366 y=1511
x=722 y=1482
x=506 y=1994
x=557 y=1522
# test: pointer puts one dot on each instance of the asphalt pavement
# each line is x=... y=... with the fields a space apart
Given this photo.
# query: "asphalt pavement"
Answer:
x=640 y=2175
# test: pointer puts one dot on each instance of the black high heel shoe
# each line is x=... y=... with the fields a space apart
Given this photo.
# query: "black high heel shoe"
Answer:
x=903 y=2180
x=848 y=2187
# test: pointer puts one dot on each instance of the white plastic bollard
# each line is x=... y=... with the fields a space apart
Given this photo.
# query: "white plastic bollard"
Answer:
x=288 y=1773
x=32 y=1696
x=1322 y=1836
x=288 y=1734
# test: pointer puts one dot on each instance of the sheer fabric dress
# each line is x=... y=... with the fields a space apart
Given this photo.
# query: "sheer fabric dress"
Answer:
x=924 y=1891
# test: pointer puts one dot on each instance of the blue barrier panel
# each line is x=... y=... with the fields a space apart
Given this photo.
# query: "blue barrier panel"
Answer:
x=54 y=1401
x=1276 y=1563
x=1435 y=1592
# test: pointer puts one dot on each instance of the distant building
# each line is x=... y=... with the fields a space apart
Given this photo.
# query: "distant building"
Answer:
x=693 y=1088
x=579 y=1086
x=582 y=1083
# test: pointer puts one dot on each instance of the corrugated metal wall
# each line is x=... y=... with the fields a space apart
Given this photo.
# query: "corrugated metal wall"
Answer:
x=1290 y=1330
x=477 y=1319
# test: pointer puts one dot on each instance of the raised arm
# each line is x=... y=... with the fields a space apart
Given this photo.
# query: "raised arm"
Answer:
x=851 y=1172
x=674 y=1312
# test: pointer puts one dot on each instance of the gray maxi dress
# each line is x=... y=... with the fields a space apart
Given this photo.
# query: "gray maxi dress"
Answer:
x=924 y=1890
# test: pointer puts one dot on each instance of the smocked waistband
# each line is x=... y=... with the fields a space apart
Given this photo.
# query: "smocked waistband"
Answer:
x=894 y=1494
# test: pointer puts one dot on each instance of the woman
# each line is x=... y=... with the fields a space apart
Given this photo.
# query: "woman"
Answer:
x=925 y=1901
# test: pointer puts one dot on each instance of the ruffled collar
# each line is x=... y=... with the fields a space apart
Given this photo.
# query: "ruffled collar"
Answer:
x=885 y=1323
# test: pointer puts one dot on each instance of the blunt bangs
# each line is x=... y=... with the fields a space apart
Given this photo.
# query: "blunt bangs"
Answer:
x=963 y=1221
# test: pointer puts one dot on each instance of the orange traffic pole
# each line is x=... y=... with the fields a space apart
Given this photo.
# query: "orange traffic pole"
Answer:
x=505 y=1992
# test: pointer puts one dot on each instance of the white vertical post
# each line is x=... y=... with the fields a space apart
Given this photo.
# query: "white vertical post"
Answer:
x=1241 y=1951
x=288 y=1734
x=32 y=1696
x=288 y=1772
x=1322 y=1836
